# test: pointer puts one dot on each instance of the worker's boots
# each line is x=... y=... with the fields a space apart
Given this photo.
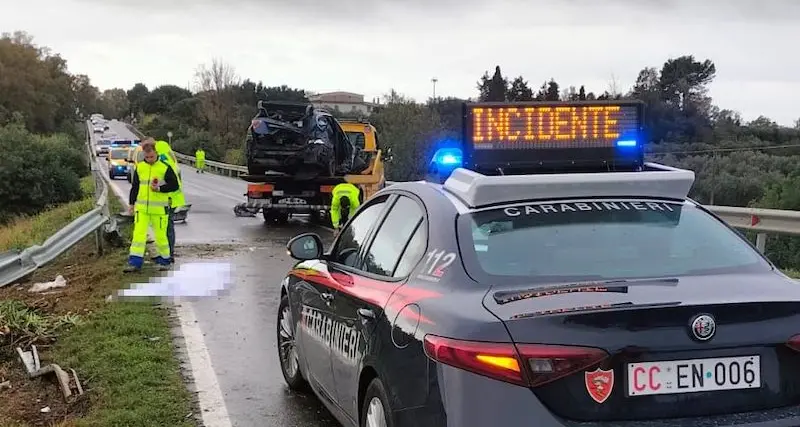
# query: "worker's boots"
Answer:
x=131 y=269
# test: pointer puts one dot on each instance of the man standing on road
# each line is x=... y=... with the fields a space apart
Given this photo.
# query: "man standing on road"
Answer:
x=149 y=202
x=200 y=160
x=177 y=198
x=344 y=204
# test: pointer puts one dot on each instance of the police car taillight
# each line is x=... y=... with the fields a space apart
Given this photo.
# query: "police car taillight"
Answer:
x=548 y=363
x=493 y=360
x=794 y=343
x=527 y=365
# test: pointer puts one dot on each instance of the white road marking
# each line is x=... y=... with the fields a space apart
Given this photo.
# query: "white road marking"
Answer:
x=209 y=393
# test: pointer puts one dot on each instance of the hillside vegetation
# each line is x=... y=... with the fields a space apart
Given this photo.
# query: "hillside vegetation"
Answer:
x=737 y=163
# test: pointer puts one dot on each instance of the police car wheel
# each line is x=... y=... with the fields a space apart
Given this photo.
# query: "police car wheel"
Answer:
x=375 y=410
x=287 y=351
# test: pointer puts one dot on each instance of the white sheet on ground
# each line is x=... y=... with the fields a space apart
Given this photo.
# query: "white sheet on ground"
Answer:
x=189 y=280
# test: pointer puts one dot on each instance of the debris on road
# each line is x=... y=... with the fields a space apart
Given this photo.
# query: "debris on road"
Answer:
x=30 y=359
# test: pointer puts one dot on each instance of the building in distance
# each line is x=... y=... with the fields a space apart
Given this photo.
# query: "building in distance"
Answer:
x=343 y=102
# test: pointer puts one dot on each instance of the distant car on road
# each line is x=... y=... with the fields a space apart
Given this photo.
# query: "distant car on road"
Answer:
x=101 y=147
x=98 y=128
x=135 y=155
x=118 y=162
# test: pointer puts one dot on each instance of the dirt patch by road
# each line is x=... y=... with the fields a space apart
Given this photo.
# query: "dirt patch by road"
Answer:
x=69 y=314
x=34 y=402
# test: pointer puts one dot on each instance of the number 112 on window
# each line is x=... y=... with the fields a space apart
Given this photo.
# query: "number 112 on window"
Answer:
x=437 y=262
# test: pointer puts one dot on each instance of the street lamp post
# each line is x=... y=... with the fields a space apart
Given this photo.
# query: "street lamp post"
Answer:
x=169 y=136
x=434 y=80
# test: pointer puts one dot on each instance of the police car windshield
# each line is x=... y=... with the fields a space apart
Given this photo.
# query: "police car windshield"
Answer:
x=600 y=240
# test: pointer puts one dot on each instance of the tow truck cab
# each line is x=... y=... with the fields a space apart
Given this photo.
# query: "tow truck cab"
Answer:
x=361 y=133
x=364 y=136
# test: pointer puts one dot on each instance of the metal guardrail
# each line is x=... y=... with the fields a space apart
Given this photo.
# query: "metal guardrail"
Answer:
x=762 y=221
x=218 y=167
x=17 y=265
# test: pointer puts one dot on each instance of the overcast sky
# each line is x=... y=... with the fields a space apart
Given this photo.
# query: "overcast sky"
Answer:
x=370 y=46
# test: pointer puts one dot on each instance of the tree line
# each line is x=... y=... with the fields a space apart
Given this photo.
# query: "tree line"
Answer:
x=737 y=163
x=42 y=150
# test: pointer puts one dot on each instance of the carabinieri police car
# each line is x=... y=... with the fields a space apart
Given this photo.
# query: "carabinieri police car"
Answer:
x=553 y=279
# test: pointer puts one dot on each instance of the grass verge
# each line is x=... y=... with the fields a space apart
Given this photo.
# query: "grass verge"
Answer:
x=792 y=273
x=29 y=231
x=122 y=351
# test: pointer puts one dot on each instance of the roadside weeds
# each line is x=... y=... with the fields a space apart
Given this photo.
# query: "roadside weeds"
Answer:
x=34 y=230
x=122 y=351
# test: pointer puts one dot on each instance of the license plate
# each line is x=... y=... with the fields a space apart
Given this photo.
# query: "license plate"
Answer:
x=292 y=201
x=695 y=375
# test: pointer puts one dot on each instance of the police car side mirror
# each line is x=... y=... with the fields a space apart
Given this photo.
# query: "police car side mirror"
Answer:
x=305 y=247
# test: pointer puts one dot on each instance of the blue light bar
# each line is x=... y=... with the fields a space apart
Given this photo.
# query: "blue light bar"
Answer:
x=448 y=158
x=627 y=143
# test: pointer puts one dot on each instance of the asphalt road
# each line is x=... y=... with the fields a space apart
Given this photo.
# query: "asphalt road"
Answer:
x=116 y=130
x=238 y=326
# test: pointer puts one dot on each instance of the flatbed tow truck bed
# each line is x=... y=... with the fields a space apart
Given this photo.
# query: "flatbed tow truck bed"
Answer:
x=278 y=196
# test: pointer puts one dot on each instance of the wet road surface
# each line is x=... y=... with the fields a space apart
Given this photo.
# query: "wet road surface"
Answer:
x=239 y=325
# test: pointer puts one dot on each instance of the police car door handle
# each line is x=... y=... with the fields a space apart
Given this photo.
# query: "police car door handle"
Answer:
x=366 y=313
x=327 y=297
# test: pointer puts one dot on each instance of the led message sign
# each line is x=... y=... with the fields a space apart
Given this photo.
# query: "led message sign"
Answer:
x=552 y=125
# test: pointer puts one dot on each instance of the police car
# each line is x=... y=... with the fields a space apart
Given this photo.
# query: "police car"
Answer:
x=553 y=279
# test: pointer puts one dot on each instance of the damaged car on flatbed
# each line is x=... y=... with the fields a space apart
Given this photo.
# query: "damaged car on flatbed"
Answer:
x=297 y=154
x=297 y=139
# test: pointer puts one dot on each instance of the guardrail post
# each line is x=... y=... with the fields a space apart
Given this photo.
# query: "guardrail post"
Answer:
x=98 y=234
x=761 y=242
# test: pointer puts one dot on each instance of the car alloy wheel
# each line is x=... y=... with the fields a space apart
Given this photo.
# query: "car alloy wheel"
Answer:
x=286 y=345
x=376 y=416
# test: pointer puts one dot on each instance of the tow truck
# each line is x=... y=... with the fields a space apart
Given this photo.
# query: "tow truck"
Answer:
x=279 y=196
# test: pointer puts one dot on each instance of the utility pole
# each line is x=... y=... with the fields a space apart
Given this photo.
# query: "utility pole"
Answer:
x=434 y=80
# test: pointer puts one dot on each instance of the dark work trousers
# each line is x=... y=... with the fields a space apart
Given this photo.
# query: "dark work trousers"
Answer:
x=171 y=232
